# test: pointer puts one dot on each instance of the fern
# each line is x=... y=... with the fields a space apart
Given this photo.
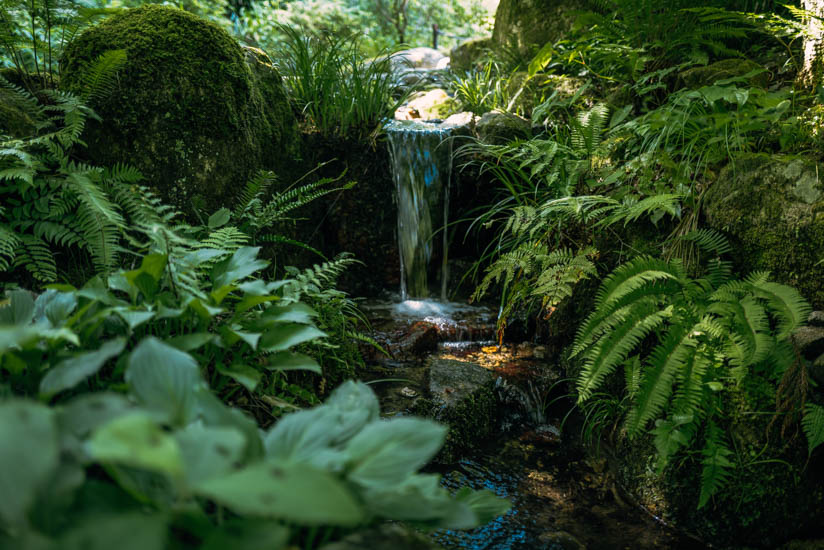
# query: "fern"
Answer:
x=813 y=425
x=710 y=332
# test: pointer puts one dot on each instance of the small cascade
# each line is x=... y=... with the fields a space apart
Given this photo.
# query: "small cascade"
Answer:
x=421 y=165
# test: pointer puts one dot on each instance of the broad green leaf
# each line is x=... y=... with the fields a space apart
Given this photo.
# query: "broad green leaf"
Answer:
x=147 y=277
x=18 y=310
x=358 y=406
x=199 y=257
x=286 y=360
x=85 y=413
x=209 y=452
x=243 y=263
x=215 y=413
x=164 y=379
x=190 y=342
x=29 y=455
x=134 y=318
x=54 y=307
x=219 y=294
x=129 y=531
x=250 y=301
x=295 y=312
x=306 y=436
x=244 y=375
x=219 y=218
x=18 y=337
x=70 y=372
x=136 y=440
x=205 y=311
x=293 y=492
x=386 y=453
x=283 y=336
x=259 y=287
x=247 y=534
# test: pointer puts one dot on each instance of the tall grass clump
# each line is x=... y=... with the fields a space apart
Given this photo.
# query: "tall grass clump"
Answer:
x=335 y=88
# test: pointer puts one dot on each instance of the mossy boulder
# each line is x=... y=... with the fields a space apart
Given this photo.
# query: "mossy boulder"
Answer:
x=193 y=111
x=724 y=69
x=469 y=54
x=496 y=127
x=772 y=208
x=522 y=27
x=462 y=396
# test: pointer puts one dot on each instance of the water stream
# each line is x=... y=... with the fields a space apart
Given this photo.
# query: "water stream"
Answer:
x=421 y=166
x=561 y=498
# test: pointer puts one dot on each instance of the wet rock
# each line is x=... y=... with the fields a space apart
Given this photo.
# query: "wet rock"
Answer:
x=384 y=537
x=810 y=341
x=499 y=127
x=539 y=352
x=562 y=541
x=429 y=105
x=421 y=338
x=450 y=382
x=463 y=398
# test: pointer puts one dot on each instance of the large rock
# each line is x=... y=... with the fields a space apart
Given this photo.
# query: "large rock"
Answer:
x=522 y=27
x=469 y=54
x=773 y=209
x=498 y=127
x=428 y=105
x=190 y=109
x=724 y=69
x=462 y=396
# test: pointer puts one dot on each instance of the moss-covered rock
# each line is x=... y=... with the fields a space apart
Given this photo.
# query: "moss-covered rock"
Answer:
x=499 y=127
x=524 y=26
x=462 y=396
x=726 y=68
x=190 y=109
x=469 y=54
x=773 y=209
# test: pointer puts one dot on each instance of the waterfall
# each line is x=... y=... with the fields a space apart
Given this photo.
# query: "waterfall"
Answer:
x=421 y=166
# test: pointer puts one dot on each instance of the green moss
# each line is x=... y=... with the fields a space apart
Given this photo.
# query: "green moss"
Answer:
x=773 y=209
x=471 y=422
x=468 y=54
x=188 y=110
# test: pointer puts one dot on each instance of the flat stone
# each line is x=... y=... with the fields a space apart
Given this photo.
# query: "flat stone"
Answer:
x=451 y=381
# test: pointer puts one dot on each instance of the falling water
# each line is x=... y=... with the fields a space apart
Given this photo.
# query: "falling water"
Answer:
x=421 y=165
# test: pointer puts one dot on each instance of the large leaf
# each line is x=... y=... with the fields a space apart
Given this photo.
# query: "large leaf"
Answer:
x=136 y=440
x=247 y=534
x=70 y=372
x=28 y=455
x=209 y=452
x=296 y=312
x=19 y=310
x=164 y=379
x=247 y=376
x=306 y=437
x=215 y=413
x=54 y=307
x=131 y=531
x=386 y=453
x=285 y=360
x=283 y=336
x=84 y=414
x=243 y=263
x=293 y=492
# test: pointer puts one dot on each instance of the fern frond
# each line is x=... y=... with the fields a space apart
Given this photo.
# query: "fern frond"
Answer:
x=813 y=425
x=34 y=255
x=716 y=465
x=790 y=308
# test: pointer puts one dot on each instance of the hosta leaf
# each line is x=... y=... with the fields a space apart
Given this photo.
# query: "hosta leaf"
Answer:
x=209 y=452
x=219 y=218
x=135 y=318
x=240 y=265
x=19 y=310
x=283 y=336
x=285 y=360
x=70 y=372
x=293 y=492
x=190 y=342
x=247 y=534
x=164 y=379
x=136 y=440
x=295 y=312
x=385 y=453
x=126 y=531
x=85 y=413
x=244 y=375
x=28 y=455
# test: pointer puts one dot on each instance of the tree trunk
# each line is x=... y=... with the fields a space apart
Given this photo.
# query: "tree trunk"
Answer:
x=812 y=71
